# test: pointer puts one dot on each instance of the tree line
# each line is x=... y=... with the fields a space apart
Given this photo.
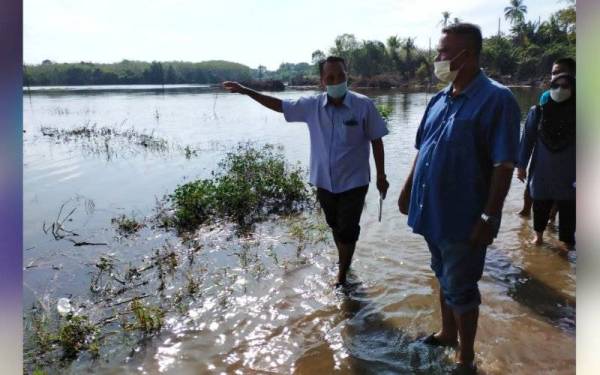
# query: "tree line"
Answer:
x=524 y=54
x=134 y=72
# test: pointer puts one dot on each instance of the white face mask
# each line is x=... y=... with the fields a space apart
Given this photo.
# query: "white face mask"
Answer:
x=442 y=70
x=559 y=95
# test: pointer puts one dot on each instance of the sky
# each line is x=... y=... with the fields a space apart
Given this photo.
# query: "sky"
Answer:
x=258 y=32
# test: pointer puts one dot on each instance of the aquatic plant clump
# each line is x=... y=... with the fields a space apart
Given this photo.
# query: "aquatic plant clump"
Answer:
x=74 y=335
x=126 y=225
x=90 y=132
x=385 y=111
x=252 y=184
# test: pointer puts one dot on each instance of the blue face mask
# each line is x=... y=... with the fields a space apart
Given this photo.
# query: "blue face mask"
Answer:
x=337 y=91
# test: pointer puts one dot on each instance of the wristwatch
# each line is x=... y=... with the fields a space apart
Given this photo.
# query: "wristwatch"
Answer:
x=492 y=220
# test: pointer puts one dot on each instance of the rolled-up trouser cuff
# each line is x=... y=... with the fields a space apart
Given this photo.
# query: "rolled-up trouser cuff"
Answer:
x=458 y=268
x=464 y=307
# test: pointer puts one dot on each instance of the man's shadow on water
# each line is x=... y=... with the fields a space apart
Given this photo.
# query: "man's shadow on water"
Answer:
x=375 y=346
x=553 y=306
x=378 y=347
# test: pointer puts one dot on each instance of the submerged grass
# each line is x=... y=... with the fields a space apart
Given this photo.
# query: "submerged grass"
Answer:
x=126 y=225
x=252 y=184
x=75 y=335
x=103 y=135
x=148 y=319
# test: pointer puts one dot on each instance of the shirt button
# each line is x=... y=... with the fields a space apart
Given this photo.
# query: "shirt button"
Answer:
x=427 y=164
x=423 y=185
x=421 y=206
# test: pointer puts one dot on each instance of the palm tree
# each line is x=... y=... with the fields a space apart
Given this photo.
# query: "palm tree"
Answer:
x=456 y=20
x=393 y=43
x=515 y=12
x=446 y=17
x=409 y=46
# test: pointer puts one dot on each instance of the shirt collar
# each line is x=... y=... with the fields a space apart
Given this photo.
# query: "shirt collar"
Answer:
x=472 y=88
x=347 y=100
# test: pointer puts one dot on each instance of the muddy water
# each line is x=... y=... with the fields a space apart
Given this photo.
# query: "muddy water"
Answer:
x=265 y=302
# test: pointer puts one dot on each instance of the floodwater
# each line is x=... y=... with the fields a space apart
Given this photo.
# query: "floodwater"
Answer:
x=265 y=302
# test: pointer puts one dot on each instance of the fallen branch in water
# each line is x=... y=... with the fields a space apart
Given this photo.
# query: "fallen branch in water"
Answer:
x=85 y=243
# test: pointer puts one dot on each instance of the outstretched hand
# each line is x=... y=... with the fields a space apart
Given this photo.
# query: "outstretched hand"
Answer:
x=233 y=87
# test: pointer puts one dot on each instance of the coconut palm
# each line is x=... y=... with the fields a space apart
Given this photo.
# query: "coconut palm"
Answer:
x=409 y=47
x=515 y=12
x=445 y=18
x=393 y=43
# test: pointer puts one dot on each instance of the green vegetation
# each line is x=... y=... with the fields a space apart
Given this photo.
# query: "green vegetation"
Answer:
x=134 y=72
x=104 y=135
x=72 y=334
x=75 y=335
x=112 y=142
x=252 y=184
x=527 y=53
x=147 y=319
x=385 y=111
x=126 y=225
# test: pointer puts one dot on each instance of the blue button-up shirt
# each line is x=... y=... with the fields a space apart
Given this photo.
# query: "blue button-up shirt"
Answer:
x=340 y=138
x=460 y=139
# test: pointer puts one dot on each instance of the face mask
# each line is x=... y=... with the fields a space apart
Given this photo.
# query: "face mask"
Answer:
x=442 y=70
x=337 y=91
x=559 y=95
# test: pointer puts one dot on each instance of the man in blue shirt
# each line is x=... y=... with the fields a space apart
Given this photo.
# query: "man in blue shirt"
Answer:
x=467 y=146
x=343 y=126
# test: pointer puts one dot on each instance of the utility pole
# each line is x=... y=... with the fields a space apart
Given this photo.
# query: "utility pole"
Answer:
x=430 y=70
x=498 y=26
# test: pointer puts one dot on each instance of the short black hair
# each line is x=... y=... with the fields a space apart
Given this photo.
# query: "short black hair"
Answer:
x=568 y=62
x=471 y=32
x=331 y=59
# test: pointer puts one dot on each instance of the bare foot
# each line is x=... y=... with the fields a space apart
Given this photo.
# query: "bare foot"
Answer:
x=445 y=339
x=524 y=213
x=341 y=281
x=564 y=248
x=538 y=239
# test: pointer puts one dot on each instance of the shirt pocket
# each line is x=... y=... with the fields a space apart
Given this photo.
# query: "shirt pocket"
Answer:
x=351 y=131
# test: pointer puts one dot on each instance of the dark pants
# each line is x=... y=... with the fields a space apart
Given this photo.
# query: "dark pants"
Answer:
x=458 y=267
x=342 y=212
x=566 y=218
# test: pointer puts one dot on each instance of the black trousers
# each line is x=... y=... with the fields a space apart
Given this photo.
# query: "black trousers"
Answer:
x=343 y=211
x=566 y=218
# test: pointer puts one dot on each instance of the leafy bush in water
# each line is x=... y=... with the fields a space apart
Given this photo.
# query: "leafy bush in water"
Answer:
x=385 y=111
x=252 y=184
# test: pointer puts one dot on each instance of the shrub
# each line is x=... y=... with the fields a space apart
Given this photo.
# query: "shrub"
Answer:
x=252 y=184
